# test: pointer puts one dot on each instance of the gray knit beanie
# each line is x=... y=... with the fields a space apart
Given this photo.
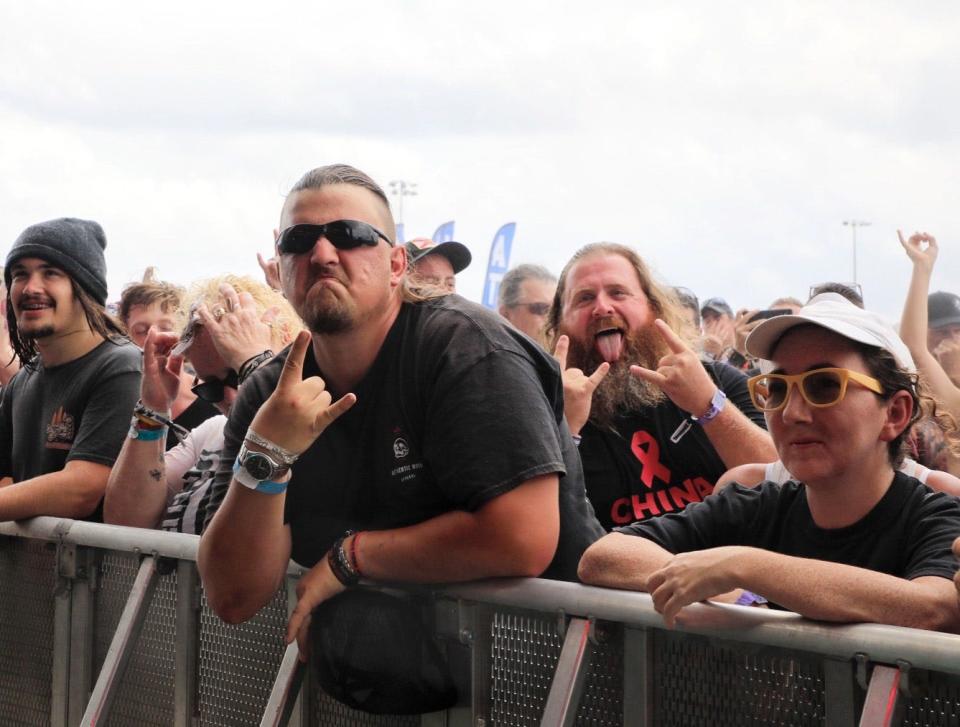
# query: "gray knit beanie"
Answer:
x=74 y=245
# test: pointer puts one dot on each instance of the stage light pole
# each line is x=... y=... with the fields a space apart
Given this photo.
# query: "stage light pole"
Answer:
x=853 y=225
x=401 y=188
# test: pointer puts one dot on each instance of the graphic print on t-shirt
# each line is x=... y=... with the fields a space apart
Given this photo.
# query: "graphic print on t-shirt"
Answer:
x=404 y=470
x=654 y=494
x=61 y=430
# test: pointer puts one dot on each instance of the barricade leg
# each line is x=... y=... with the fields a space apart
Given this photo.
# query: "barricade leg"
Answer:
x=187 y=653
x=123 y=643
x=637 y=678
x=883 y=705
x=567 y=686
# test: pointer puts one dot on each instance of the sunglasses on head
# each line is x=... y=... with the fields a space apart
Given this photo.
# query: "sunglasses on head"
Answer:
x=212 y=390
x=820 y=387
x=342 y=234
x=536 y=309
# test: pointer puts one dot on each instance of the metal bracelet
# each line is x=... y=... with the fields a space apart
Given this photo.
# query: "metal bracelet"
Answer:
x=287 y=457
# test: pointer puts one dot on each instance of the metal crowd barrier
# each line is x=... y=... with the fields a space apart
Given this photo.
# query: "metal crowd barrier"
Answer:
x=108 y=625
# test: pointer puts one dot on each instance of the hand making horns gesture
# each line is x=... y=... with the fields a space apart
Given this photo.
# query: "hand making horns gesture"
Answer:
x=578 y=388
x=680 y=374
x=299 y=409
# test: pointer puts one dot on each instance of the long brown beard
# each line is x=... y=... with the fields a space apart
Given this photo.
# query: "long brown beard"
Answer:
x=620 y=393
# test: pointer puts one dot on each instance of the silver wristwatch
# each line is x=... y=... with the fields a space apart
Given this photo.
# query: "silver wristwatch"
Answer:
x=255 y=467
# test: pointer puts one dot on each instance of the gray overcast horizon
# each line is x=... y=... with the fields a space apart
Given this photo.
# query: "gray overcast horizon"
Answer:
x=727 y=143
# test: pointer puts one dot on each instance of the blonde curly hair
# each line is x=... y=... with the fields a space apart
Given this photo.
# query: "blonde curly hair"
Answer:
x=286 y=324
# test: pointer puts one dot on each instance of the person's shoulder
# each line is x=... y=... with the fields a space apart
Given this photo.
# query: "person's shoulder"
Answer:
x=724 y=374
x=209 y=430
x=453 y=311
x=114 y=356
x=924 y=497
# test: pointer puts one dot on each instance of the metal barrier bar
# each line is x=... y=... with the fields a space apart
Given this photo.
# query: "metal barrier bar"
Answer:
x=286 y=687
x=122 y=645
x=567 y=687
x=188 y=645
x=883 y=697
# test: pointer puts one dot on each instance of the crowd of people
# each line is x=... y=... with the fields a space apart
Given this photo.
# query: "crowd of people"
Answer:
x=355 y=414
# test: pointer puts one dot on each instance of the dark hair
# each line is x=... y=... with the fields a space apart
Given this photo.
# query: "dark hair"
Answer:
x=893 y=378
x=99 y=320
x=509 y=292
x=663 y=300
x=345 y=174
x=847 y=291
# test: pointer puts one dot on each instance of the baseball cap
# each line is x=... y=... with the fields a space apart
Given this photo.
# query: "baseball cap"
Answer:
x=835 y=313
x=456 y=253
x=717 y=305
x=943 y=309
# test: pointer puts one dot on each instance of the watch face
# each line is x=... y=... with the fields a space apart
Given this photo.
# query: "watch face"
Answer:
x=258 y=465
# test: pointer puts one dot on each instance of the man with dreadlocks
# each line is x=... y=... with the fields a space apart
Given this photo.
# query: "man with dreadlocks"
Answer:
x=63 y=417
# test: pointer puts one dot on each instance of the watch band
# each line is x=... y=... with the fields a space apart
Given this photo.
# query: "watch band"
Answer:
x=268 y=487
x=716 y=406
x=284 y=455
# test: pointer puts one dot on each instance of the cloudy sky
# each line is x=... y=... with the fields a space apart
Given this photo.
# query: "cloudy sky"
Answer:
x=726 y=142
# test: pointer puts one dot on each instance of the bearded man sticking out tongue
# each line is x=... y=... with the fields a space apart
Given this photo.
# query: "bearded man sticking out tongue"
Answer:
x=657 y=426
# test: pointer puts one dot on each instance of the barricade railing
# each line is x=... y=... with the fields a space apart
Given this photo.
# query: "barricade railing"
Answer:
x=108 y=625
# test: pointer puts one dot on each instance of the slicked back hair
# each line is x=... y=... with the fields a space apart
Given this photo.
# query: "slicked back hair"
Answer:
x=509 y=292
x=333 y=174
x=663 y=301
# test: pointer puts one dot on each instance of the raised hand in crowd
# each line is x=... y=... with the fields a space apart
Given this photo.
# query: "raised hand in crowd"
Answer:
x=294 y=415
x=679 y=374
x=271 y=269
x=922 y=249
x=718 y=335
x=160 y=384
x=742 y=326
x=238 y=331
x=578 y=388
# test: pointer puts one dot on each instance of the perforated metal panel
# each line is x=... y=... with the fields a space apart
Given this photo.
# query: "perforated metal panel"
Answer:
x=145 y=696
x=524 y=652
x=328 y=712
x=939 y=705
x=27 y=582
x=238 y=664
x=701 y=681
x=602 y=701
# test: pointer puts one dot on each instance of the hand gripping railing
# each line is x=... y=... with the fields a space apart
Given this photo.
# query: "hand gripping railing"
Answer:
x=870 y=673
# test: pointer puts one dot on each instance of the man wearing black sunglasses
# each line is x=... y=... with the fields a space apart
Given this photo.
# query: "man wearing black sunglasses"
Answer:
x=525 y=294
x=445 y=451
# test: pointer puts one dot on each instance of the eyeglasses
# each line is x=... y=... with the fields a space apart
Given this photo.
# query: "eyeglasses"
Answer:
x=820 y=387
x=342 y=234
x=212 y=390
x=536 y=309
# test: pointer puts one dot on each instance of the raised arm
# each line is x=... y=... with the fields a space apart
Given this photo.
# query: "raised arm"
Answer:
x=922 y=250
x=683 y=378
x=137 y=490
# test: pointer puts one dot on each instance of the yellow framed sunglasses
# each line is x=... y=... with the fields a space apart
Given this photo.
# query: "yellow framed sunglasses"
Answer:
x=820 y=387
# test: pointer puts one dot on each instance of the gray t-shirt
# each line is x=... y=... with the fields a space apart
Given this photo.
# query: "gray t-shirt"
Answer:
x=78 y=410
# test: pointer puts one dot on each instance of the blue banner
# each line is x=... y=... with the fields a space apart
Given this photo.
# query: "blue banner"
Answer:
x=400 y=239
x=444 y=233
x=498 y=264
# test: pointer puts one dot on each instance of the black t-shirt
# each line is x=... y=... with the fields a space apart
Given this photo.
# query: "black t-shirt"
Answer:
x=79 y=410
x=457 y=408
x=907 y=534
x=634 y=472
x=192 y=417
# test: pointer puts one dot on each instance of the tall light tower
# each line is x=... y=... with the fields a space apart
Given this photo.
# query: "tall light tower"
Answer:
x=853 y=225
x=401 y=188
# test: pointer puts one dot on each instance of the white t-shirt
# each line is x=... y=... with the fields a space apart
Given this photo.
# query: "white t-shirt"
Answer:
x=190 y=468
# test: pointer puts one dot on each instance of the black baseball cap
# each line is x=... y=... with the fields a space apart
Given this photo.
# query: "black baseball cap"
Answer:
x=456 y=253
x=943 y=309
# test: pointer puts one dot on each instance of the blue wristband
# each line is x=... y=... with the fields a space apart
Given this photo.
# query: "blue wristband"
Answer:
x=147 y=435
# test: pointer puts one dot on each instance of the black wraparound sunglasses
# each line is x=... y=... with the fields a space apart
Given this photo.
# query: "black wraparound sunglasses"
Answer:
x=212 y=390
x=342 y=234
